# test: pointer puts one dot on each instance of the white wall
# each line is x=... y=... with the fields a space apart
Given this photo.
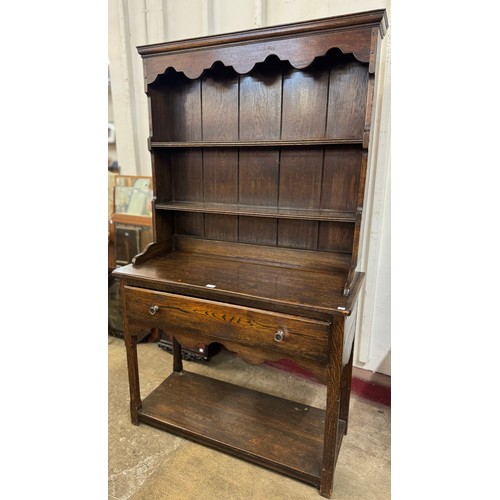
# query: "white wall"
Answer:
x=140 y=22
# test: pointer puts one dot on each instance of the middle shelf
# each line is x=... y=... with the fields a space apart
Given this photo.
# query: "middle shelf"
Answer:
x=152 y=144
x=259 y=211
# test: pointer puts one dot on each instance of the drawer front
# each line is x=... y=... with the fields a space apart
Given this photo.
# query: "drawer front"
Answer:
x=198 y=318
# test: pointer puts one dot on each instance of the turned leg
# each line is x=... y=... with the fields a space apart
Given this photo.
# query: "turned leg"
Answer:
x=177 y=352
x=332 y=407
x=345 y=389
x=133 y=367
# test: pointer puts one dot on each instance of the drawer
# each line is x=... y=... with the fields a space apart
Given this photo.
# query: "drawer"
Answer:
x=198 y=318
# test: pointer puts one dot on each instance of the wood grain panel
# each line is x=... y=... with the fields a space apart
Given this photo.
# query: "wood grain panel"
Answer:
x=347 y=100
x=303 y=282
x=300 y=178
x=298 y=234
x=303 y=337
x=220 y=175
x=177 y=109
x=250 y=424
x=162 y=169
x=258 y=230
x=260 y=102
x=305 y=95
x=221 y=227
x=187 y=175
x=336 y=236
x=258 y=177
x=341 y=177
x=220 y=104
x=190 y=224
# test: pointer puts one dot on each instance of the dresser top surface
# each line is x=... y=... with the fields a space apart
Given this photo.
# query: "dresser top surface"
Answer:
x=260 y=284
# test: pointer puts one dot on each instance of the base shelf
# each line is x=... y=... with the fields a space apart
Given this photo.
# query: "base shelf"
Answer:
x=282 y=435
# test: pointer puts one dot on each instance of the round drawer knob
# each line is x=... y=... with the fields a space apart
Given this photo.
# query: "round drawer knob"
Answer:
x=278 y=336
x=153 y=309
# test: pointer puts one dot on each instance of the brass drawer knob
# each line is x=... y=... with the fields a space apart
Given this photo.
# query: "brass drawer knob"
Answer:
x=278 y=336
x=153 y=309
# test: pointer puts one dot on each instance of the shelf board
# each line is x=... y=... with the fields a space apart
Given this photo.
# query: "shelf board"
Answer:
x=280 y=434
x=256 y=211
x=238 y=144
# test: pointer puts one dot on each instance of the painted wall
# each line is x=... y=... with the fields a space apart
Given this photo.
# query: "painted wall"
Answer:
x=140 y=22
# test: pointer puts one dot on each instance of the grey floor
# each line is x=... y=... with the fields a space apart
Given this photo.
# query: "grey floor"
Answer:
x=149 y=464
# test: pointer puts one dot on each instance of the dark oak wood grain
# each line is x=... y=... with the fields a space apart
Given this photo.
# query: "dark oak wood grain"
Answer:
x=244 y=143
x=259 y=145
x=250 y=424
x=260 y=103
x=301 y=337
x=347 y=100
x=289 y=287
x=260 y=211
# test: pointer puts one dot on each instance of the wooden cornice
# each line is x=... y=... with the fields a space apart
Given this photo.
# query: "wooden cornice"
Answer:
x=370 y=18
x=242 y=50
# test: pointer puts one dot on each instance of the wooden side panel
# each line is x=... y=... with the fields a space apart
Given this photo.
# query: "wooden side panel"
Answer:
x=305 y=95
x=347 y=100
x=341 y=177
x=163 y=182
x=177 y=109
x=163 y=224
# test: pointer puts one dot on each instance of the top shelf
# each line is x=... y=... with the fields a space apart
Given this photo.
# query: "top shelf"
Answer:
x=279 y=143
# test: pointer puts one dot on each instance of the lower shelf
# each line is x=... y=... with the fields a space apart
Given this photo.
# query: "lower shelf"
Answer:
x=270 y=431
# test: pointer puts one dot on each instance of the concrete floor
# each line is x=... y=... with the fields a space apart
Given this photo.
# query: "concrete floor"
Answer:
x=149 y=464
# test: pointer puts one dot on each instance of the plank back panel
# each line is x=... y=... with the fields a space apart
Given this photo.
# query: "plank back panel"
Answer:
x=258 y=177
x=219 y=90
x=347 y=99
x=298 y=234
x=341 y=177
x=336 y=236
x=300 y=178
x=305 y=94
x=220 y=175
x=221 y=227
x=260 y=102
x=258 y=230
x=190 y=224
x=187 y=175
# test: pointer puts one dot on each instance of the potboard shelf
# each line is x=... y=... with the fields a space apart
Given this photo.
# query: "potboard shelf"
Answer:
x=267 y=426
